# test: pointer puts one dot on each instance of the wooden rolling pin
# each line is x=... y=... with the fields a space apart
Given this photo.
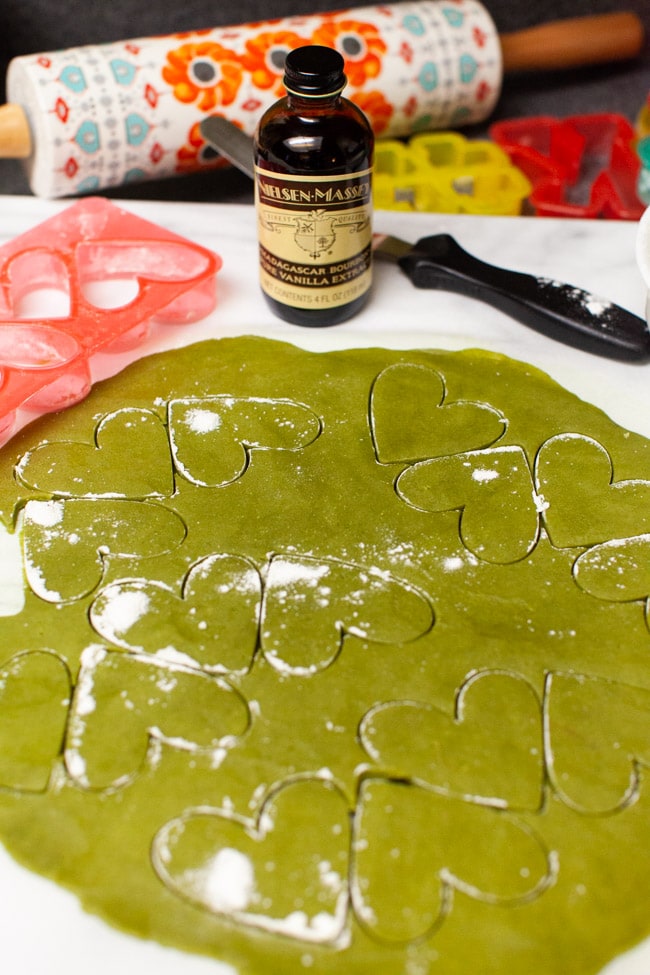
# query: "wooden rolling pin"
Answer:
x=573 y=43
x=154 y=92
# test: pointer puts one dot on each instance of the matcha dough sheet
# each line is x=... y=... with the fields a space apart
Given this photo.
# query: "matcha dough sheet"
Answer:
x=333 y=662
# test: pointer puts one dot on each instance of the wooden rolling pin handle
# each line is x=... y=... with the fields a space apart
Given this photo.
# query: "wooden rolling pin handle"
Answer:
x=15 y=136
x=573 y=43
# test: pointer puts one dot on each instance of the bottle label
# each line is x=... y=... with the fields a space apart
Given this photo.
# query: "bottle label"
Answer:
x=315 y=237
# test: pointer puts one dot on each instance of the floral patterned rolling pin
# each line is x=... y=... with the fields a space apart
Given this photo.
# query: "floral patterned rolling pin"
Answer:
x=101 y=116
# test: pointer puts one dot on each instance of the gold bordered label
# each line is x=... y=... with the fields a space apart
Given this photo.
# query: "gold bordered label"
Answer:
x=314 y=237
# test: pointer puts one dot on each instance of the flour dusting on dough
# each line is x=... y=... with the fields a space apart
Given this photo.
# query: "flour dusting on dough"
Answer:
x=122 y=608
x=228 y=881
x=202 y=421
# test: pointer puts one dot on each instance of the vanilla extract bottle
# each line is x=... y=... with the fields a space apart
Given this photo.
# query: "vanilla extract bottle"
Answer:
x=313 y=177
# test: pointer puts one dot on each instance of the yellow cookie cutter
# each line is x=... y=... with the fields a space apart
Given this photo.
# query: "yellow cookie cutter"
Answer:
x=443 y=172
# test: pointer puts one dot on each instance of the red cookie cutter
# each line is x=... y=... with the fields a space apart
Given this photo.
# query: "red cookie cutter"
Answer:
x=44 y=362
x=580 y=166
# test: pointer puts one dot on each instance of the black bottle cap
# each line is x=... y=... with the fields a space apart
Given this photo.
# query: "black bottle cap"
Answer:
x=314 y=71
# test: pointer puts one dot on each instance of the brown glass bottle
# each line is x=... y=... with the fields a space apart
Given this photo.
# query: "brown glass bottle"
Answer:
x=313 y=162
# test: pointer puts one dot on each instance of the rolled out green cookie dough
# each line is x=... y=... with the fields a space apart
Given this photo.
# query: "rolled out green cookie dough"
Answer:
x=334 y=663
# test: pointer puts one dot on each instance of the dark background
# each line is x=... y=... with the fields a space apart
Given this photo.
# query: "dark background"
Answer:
x=34 y=26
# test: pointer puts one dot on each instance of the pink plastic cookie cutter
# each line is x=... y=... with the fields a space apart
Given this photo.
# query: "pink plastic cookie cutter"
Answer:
x=45 y=362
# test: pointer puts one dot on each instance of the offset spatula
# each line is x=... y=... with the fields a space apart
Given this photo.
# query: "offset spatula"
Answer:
x=561 y=311
x=558 y=310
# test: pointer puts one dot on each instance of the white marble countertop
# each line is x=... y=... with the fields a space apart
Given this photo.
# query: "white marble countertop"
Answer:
x=43 y=929
x=596 y=255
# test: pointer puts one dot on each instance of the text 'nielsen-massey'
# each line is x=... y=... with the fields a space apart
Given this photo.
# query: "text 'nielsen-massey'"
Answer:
x=314 y=195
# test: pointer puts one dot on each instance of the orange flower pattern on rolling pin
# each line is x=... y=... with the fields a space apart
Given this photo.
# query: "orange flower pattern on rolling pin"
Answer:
x=264 y=58
x=205 y=73
x=376 y=107
x=359 y=43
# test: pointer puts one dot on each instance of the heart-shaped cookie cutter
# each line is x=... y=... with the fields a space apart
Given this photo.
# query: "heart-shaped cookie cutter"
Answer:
x=45 y=360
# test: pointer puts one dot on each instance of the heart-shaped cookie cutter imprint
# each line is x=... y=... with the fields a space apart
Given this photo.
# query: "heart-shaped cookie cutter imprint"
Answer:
x=45 y=361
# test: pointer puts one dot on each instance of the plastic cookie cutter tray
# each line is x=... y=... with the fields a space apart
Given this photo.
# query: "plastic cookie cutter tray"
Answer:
x=79 y=253
x=580 y=166
x=444 y=172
